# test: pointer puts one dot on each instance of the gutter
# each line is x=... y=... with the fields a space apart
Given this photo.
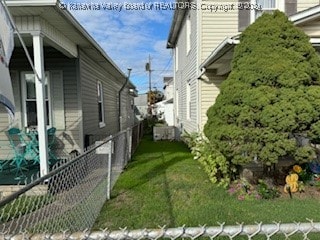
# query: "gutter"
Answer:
x=306 y=15
x=176 y=23
x=119 y=98
x=218 y=52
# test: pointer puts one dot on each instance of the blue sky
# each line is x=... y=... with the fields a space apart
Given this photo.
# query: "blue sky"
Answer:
x=129 y=36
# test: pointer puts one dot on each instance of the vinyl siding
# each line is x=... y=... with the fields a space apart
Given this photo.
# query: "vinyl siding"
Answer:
x=305 y=4
x=68 y=138
x=91 y=73
x=209 y=93
x=216 y=26
x=126 y=110
x=187 y=73
x=312 y=29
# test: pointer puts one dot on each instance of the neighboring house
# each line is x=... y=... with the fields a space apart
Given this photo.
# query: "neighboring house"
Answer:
x=203 y=41
x=87 y=95
x=165 y=107
x=141 y=104
x=168 y=87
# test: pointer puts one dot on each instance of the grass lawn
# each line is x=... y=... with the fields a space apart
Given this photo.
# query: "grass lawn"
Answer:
x=163 y=185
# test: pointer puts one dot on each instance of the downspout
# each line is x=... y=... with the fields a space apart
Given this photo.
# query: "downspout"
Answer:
x=119 y=98
x=203 y=70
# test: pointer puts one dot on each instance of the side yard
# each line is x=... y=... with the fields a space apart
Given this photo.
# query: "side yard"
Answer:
x=164 y=185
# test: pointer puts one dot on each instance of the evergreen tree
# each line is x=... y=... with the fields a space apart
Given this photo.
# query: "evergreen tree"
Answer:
x=271 y=96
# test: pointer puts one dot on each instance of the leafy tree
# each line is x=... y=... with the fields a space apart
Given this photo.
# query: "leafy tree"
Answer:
x=271 y=96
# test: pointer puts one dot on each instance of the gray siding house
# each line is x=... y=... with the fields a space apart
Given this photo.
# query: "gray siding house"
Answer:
x=87 y=95
x=203 y=40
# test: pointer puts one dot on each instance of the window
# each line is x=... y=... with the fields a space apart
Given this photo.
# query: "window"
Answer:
x=188 y=34
x=188 y=102
x=251 y=10
x=265 y=6
x=30 y=101
x=100 y=105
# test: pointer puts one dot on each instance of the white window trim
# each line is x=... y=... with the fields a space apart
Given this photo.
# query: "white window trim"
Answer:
x=280 y=5
x=24 y=98
x=177 y=103
x=188 y=100
x=188 y=34
x=100 y=92
x=176 y=54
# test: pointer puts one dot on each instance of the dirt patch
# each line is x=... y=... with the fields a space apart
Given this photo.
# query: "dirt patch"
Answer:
x=308 y=193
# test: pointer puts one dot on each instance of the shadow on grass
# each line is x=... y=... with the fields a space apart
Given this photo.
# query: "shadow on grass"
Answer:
x=147 y=145
x=150 y=166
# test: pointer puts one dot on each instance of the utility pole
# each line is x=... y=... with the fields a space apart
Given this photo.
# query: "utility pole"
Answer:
x=150 y=95
x=148 y=69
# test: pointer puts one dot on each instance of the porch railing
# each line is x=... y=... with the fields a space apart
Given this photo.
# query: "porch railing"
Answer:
x=71 y=196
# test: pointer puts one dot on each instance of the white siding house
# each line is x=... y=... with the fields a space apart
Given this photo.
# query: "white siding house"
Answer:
x=165 y=107
x=199 y=71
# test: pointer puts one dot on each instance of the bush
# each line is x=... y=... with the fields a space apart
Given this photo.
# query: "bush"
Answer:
x=214 y=163
x=271 y=95
x=243 y=190
x=267 y=192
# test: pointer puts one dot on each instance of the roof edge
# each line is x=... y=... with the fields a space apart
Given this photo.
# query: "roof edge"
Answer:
x=67 y=15
x=224 y=45
x=305 y=15
x=175 y=28
x=18 y=3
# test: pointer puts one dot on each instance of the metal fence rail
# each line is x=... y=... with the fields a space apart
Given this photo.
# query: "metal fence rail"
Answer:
x=72 y=194
x=305 y=230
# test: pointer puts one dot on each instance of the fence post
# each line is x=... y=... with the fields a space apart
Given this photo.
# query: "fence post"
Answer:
x=109 y=150
x=129 y=142
x=106 y=151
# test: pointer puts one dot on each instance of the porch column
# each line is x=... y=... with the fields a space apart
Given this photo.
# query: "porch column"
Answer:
x=41 y=105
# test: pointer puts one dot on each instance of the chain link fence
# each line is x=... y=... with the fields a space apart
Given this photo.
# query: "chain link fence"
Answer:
x=73 y=193
x=307 y=230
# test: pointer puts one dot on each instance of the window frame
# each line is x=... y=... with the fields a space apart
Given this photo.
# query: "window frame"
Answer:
x=100 y=102
x=176 y=54
x=25 y=99
x=279 y=5
x=188 y=34
x=188 y=100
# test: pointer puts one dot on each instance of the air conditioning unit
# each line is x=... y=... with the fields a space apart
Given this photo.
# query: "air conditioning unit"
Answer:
x=163 y=133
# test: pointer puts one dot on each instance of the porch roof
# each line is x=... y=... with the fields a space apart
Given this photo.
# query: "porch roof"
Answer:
x=65 y=24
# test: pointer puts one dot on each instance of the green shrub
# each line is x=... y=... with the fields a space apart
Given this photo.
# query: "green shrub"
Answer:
x=214 y=163
x=267 y=192
x=271 y=95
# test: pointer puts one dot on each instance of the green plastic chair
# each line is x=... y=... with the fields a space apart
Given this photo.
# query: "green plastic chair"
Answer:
x=32 y=149
x=51 y=142
x=18 y=146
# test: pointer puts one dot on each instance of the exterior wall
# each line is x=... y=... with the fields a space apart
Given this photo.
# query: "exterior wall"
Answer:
x=169 y=90
x=210 y=90
x=65 y=109
x=216 y=26
x=312 y=29
x=127 y=109
x=305 y=4
x=186 y=72
x=141 y=103
x=90 y=74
